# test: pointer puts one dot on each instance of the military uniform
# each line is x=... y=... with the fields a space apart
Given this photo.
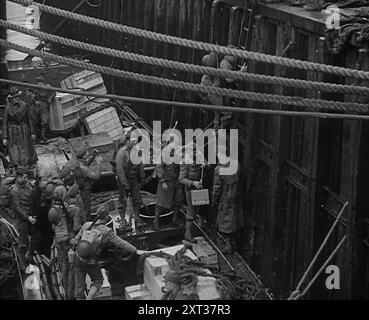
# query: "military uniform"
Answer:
x=85 y=182
x=130 y=175
x=22 y=199
x=43 y=100
x=187 y=175
x=18 y=130
x=169 y=198
x=224 y=197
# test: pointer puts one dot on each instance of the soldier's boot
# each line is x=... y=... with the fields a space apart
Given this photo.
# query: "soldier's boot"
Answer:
x=43 y=134
x=175 y=220
x=156 y=224
x=228 y=245
x=188 y=234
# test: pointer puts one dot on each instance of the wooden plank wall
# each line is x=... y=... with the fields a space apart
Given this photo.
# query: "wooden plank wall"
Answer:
x=297 y=172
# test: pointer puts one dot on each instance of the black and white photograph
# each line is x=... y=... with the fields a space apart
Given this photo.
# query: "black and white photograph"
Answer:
x=207 y=151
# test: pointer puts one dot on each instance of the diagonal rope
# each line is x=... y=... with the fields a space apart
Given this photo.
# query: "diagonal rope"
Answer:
x=264 y=79
x=256 y=56
x=244 y=95
x=322 y=246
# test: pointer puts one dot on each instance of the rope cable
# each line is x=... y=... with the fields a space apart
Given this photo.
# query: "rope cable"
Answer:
x=256 y=56
x=166 y=103
x=265 y=79
x=244 y=95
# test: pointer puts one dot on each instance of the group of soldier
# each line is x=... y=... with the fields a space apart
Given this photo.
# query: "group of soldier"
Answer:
x=60 y=208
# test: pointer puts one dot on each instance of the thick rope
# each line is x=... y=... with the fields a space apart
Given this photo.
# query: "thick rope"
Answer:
x=256 y=56
x=243 y=95
x=322 y=246
x=170 y=104
x=300 y=295
x=264 y=79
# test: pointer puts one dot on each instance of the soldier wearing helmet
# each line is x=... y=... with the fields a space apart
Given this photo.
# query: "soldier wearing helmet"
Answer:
x=61 y=223
x=18 y=131
x=91 y=240
x=79 y=171
x=169 y=194
x=130 y=175
x=43 y=100
x=22 y=196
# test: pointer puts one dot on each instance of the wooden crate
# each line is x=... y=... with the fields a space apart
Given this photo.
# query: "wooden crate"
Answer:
x=106 y=120
x=67 y=108
x=65 y=111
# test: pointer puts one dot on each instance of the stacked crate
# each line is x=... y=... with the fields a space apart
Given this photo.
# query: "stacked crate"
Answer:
x=105 y=120
x=67 y=108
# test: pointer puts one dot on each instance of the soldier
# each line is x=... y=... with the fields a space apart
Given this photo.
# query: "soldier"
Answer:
x=62 y=227
x=210 y=60
x=43 y=100
x=224 y=198
x=130 y=175
x=122 y=197
x=79 y=172
x=21 y=200
x=228 y=63
x=18 y=131
x=169 y=194
x=5 y=203
x=91 y=240
x=190 y=177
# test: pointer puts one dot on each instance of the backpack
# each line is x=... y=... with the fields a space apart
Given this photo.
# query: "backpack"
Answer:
x=92 y=236
x=73 y=174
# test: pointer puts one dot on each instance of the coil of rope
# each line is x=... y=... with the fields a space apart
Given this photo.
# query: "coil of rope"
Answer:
x=264 y=79
x=243 y=95
x=231 y=286
x=170 y=104
x=256 y=56
x=8 y=266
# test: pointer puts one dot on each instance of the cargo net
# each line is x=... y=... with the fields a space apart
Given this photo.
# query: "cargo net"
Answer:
x=8 y=266
x=230 y=285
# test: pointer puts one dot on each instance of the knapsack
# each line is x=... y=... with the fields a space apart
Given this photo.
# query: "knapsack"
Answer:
x=92 y=236
x=73 y=174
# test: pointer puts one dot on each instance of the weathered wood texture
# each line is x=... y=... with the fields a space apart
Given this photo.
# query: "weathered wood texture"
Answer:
x=296 y=172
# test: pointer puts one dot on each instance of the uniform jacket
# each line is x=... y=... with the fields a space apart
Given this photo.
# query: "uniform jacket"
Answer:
x=106 y=236
x=189 y=173
x=22 y=199
x=126 y=170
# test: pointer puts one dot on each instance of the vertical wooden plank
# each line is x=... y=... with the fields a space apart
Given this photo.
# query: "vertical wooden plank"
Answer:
x=349 y=170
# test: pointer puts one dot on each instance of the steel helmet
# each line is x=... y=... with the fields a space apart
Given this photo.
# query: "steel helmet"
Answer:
x=48 y=190
x=54 y=216
x=102 y=211
x=81 y=152
x=84 y=249
x=60 y=192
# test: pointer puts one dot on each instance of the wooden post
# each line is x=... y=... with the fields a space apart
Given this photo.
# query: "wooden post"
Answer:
x=3 y=64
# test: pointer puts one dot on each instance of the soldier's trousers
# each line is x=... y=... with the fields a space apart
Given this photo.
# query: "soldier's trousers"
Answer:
x=81 y=269
x=63 y=248
x=134 y=190
x=86 y=199
x=29 y=240
x=191 y=210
